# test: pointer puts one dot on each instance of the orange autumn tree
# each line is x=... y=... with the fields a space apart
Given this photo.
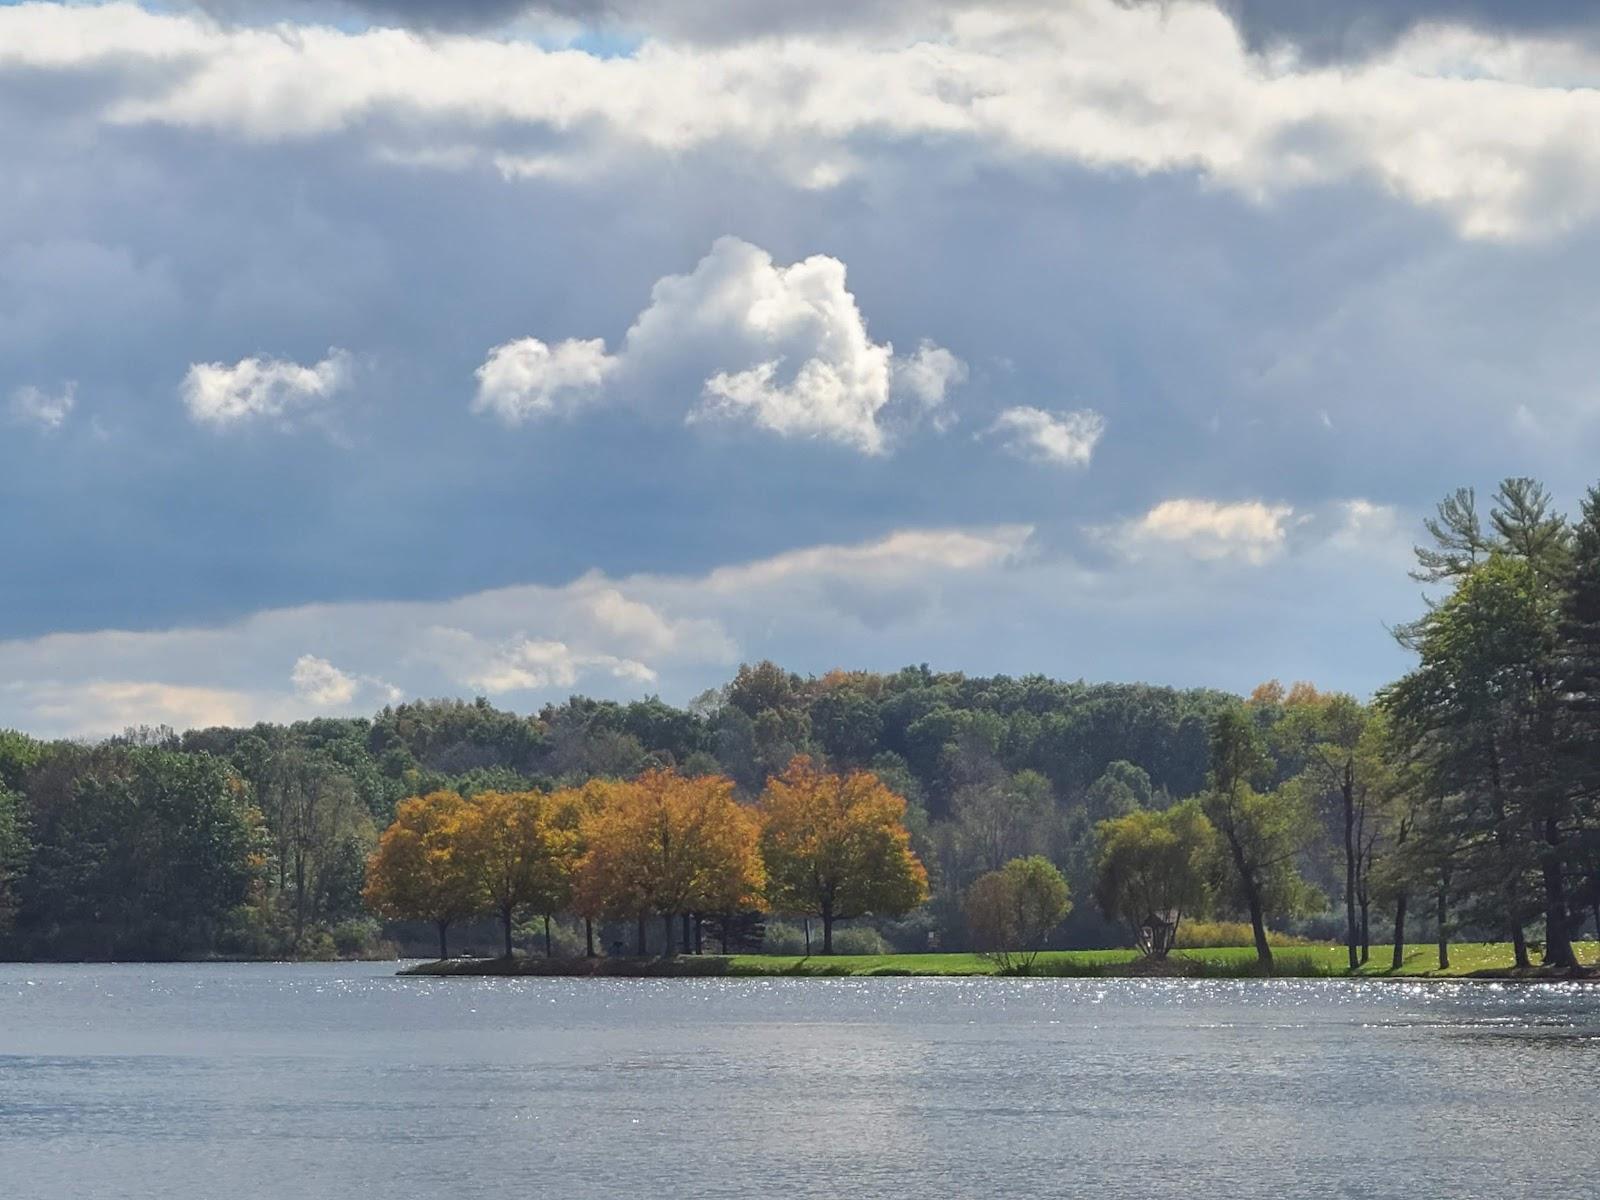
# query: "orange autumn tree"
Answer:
x=613 y=877
x=523 y=856
x=836 y=847
x=419 y=871
x=667 y=845
x=726 y=873
x=577 y=808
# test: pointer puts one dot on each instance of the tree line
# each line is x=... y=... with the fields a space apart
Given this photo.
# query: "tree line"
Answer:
x=1460 y=802
x=682 y=848
x=990 y=767
x=1470 y=785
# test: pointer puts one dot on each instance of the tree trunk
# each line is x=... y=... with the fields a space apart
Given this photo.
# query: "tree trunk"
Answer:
x=806 y=924
x=827 y=928
x=1519 y=945
x=688 y=931
x=299 y=897
x=642 y=947
x=1557 y=930
x=666 y=930
x=444 y=947
x=722 y=930
x=1502 y=837
x=1347 y=792
x=505 y=919
x=1252 y=895
x=1258 y=925
x=1444 y=937
x=588 y=937
x=1366 y=930
x=1399 y=933
x=699 y=934
x=547 y=951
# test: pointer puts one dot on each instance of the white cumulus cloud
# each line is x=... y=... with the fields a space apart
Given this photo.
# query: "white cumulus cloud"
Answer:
x=531 y=664
x=322 y=683
x=1249 y=531
x=225 y=395
x=784 y=348
x=527 y=378
x=1062 y=439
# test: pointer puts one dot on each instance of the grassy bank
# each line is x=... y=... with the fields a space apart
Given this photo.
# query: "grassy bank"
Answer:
x=1467 y=960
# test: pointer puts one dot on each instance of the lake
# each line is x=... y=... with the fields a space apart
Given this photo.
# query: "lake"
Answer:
x=204 y=1082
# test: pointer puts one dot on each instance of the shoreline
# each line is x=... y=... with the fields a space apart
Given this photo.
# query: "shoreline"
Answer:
x=1222 y=963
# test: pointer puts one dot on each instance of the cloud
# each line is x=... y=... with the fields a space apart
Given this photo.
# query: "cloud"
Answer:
x=989 y=599
x=1061 y=439
x=929 y=374
x=421 y=14
x=1475 y=127
x=47 y=410
x=1360 y=28
x=1247 y=531
x=262 y=389
x=784 y=348
x=527 y=378
x=616 y=636
x=322 y=683
x=532 y=664
x=101 y=707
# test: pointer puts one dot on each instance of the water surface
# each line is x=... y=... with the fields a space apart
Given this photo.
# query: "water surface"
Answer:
x=277 y=1081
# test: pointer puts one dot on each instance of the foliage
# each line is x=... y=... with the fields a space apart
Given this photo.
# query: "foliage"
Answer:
x=521 y=851
x=140 y=852
x=1011 y=912
x=1211 y=934
x=1260 y=834
x=859 y=939
x=836 y=847
x=780 y=937
x=668 y=845
x=421 y=870
x=15 y=851
x=1151 y=870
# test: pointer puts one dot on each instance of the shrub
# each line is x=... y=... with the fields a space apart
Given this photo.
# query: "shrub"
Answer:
x=252 y=932
x=316 y=945
x=1011 y=912
x=1208 y=935
x=356 y=937
x=1061 y=968
x=1289 y=966
x=783 y=938
x=859 y=939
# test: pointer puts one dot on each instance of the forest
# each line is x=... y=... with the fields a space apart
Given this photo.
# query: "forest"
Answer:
x=1461 y=801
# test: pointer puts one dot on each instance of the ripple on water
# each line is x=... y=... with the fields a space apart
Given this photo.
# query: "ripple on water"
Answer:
x=189 y=1082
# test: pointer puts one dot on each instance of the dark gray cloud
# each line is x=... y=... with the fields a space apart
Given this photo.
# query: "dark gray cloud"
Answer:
x=704 y=21
x=1344 y=29
x=1323 y=29
x=421 y=14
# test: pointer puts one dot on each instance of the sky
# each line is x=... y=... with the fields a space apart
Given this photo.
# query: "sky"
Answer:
x=354 y=352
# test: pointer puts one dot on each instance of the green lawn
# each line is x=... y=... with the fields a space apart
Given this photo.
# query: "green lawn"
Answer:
x=1420 y=961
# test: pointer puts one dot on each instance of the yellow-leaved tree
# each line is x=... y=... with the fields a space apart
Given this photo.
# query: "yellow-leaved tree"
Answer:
x=667 y=845
x=522 y=854
x=726 y=873
x=836 y=847
x=613 y=877
x=421 y=870
x=572 y=808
